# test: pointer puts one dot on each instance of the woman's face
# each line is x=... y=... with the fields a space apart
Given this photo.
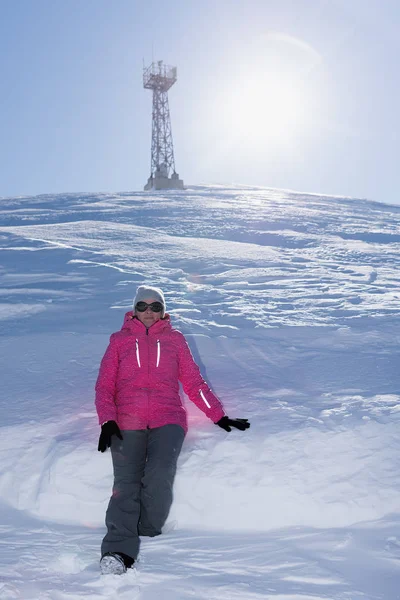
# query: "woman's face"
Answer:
x=148 y=317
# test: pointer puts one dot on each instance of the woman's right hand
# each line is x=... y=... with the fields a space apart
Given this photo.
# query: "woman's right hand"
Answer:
x=108 y=429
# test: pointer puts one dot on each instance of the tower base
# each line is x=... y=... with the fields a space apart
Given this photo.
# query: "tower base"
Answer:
x=162 y=182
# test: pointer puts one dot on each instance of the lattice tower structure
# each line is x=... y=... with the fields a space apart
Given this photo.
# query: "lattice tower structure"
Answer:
x=160 y=78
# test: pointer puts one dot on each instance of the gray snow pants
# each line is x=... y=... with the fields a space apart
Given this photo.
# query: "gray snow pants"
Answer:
x=144 y=470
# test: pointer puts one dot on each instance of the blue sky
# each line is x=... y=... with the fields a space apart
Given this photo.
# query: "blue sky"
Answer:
x=299 y=94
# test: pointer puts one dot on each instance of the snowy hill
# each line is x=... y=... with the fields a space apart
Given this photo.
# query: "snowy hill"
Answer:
x=290 y=304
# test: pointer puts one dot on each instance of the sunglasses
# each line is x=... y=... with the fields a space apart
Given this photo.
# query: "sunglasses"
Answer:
x=154 y=307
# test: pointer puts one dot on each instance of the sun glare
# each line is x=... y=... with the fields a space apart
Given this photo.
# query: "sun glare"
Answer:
x=272 y=109
x=271 y=101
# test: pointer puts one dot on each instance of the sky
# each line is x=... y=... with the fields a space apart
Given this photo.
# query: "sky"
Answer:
x=295 y=94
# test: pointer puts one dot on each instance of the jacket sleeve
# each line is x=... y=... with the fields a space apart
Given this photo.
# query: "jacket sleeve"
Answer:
x=106 y=384
x=194 y=385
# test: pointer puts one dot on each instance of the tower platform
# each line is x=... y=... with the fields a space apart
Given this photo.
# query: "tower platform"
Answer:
x=160 y=182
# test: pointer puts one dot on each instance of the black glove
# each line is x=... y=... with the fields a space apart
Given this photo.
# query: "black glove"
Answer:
x=108 y=429
x=226 y=423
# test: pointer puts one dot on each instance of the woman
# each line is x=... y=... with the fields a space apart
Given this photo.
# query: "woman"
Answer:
x=143 y=421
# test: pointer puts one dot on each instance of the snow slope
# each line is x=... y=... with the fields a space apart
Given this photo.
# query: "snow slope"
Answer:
x=290 y=304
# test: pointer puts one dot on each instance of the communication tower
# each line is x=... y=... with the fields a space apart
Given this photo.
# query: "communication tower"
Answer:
x=160 y=78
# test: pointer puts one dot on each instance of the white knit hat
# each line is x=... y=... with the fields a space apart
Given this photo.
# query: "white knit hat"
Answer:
x=145 y=292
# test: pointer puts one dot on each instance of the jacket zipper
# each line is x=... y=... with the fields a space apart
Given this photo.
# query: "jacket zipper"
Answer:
x=148 y=375
x=148 y=370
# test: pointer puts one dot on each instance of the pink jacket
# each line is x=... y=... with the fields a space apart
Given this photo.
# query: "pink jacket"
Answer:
x=138 y=382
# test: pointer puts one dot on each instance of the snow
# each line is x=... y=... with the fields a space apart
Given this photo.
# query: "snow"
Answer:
x=290 y=304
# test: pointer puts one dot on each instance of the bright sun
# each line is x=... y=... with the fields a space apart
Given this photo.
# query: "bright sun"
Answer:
x=271 y=107
x=271 y=100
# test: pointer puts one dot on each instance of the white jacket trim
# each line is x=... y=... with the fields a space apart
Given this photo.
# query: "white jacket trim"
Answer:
x=158 y=352
x=205 y=400
x=137 y=353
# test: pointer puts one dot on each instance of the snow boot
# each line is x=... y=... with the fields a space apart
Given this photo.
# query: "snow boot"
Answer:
x=115 y=563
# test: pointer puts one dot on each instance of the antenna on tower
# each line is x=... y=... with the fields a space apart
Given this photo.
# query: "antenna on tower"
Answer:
x=160 y=78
